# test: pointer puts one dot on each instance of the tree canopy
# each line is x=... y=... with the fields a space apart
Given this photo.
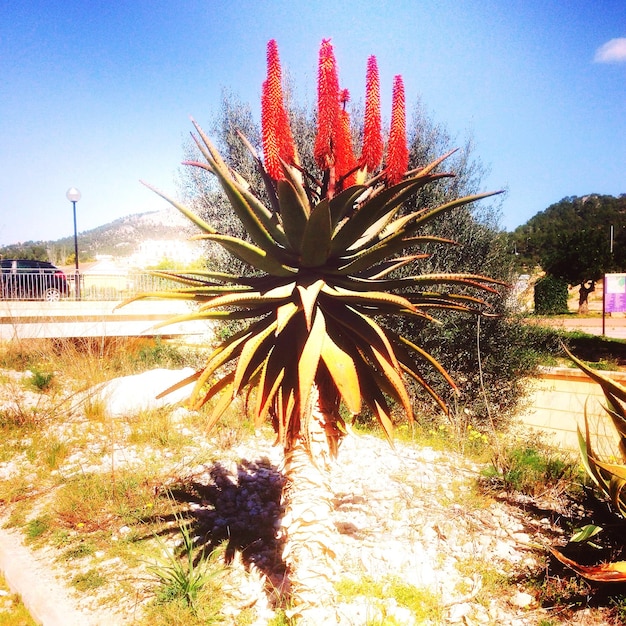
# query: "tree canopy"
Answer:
x=571 y=239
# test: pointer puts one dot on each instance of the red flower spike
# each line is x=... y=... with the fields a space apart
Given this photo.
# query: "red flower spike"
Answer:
x=277 y=137
x=397 y=149
x=268 y=131
x=372 y=152
x=327 y=105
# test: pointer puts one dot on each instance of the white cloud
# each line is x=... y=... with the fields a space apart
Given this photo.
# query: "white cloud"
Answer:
x=613 y=51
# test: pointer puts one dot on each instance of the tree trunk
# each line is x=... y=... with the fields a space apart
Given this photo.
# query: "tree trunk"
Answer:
x=307 y=527
x=583 y=296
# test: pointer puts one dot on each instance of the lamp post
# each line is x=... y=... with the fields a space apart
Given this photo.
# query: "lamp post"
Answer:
x=73 y=195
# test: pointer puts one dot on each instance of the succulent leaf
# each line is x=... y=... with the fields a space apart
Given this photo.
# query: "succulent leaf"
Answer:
x=254 y=256
x=316 y=238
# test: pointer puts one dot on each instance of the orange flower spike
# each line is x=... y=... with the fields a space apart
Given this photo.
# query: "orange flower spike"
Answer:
x=345 y=160
x=327 y=105
x=277 y=137
x=372 y=152
x=397 y=149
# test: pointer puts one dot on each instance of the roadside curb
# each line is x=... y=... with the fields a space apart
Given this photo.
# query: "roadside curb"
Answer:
x=45 y=597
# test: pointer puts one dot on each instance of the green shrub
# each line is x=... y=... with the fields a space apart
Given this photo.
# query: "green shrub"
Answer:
x=550 y=296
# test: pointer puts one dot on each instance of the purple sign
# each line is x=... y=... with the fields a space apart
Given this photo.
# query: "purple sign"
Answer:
x=615 y=293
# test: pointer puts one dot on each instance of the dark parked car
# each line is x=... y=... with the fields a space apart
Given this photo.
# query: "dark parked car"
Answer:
x=24 y=279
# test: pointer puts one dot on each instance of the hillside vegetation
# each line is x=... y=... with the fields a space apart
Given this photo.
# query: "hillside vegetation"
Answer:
x=119 y=238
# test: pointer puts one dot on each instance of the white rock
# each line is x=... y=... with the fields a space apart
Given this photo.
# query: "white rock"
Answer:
x=130 y=395
x=522 y=600
x=458 y=612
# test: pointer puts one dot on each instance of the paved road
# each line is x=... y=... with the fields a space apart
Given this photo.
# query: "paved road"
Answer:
x=614 y=327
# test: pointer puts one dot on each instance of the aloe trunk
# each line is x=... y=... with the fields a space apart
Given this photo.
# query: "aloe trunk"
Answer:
x=307 y=525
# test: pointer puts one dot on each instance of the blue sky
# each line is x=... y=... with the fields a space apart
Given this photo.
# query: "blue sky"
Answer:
x=98 y=95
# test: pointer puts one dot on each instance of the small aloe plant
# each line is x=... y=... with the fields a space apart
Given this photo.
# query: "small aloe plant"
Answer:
x=609 y=475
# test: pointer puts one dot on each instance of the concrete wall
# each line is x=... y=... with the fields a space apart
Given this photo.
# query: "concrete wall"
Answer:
x=557 y=404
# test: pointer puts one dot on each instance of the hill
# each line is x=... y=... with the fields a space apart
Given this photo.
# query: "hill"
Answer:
x=119 y=238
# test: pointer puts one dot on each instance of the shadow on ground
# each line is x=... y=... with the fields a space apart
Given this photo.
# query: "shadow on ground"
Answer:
x=242 y=510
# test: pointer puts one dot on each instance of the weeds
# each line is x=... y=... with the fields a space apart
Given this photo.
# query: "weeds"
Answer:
x=89 y=580
x=532 y=467
x=93 y=501
x=40 y=380
x=183 y=579
x=37 y=527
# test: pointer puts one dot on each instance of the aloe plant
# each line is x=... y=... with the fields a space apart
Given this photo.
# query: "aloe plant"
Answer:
x=608 y=474
x=325 y=250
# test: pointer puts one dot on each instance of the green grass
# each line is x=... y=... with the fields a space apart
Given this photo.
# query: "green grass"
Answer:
x=532 y=467
x=88 y=581
x=40 y=379
x=425 y=605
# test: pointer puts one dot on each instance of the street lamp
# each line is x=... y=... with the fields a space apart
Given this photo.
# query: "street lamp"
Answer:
x=73 y=195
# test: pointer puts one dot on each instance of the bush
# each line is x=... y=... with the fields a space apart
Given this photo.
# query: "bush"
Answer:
x=550 y=296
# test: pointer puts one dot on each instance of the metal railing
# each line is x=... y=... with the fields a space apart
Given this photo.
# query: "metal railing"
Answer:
x=92 y=286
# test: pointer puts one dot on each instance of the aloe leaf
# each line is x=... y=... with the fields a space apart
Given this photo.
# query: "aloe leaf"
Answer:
x=584 y=456
x=422 y=218
x=310 y=357
x=248 y=214
x=256 y=257
x=339 y=357
x=316 y=237
x=616 y=485
x=188 y=213
x=293 y=212
x=267 y=179
x=344 y=202
x=427 y=169
x=215 y=389
x=390 y=265
x=284 y=314
x=268 y=386
x=368 y=298
x=614 y=469
x=198 y=278
x=605 y=572
x=220 y=408
x=219 y=357
x=373 y=209
x=179 y=385
x=374 y=398
x=615 y=388
x=256 y=303
x=373 y=233
x=254 y=352
x=268 y=219
x=401 y=236
x=308 y=297
x=362 y=330
x=392 y=373
x=426 y=356
x=294 y=176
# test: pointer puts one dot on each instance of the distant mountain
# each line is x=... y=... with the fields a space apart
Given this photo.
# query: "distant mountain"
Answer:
x=119 y=238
